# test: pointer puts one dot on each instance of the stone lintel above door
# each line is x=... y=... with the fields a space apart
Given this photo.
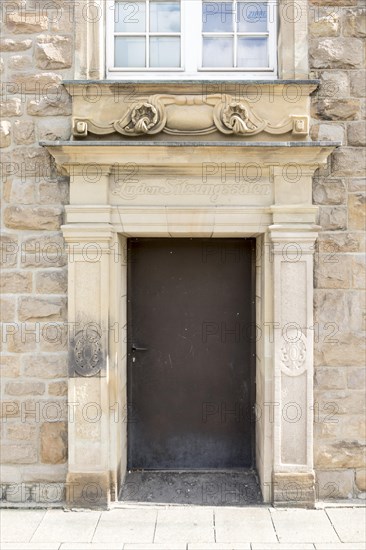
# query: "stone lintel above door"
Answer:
x=174 y=110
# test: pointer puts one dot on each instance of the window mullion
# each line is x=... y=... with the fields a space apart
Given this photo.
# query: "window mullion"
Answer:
x=147 y=45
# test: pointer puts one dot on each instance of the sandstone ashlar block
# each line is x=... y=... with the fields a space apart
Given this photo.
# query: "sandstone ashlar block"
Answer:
x=348 y=402
x=58 y=389
x=328 y=192
x=20 y=62
x=24 y=388
x=8 y=250
x=358 y=83
x=331 y=243
x=9 y=409
x=334 y=53
x=356 y=185
x=51 y=281
x=18 y=454
x=330 y=428
x=54 y=442
x=361 y=479
x=356 y=378
x=328 y=132
x=53 y=52
x=334 y=484
x=354 y=23
x=349 y=161
x=54 y=192
x=48 y=366
x=357 y=211
x=21 y=341
x=38 y=309
x=52 y=129
x=8 y=308
x=11 y=107
x=47 y=83
x=5 y=133
x=24 y=132
x=31 y=162
x=10 y=45
x=20 y=191
x=339 y=455
x=333 y=217
x=356 y=134
x=333 y=272
x=359 y=272
x=332 y=3
x=45 y=250
x=26 y=22
x=21 y=432
x=33 y=217
x=327 y=378
x=336 y=109
x=9 y=366
x=55 y=338
x=15 y=282
x=324 y=23
x=45 y=107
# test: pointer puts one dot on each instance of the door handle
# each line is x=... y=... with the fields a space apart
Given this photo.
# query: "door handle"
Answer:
x=136 y=348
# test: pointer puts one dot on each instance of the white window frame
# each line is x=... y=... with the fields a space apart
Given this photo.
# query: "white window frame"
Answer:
x=191 y=50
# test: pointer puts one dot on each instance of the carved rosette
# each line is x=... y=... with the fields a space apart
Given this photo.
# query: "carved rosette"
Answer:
x=293 y=355
x=145 y=117
x=87 y=352
x=236 y=117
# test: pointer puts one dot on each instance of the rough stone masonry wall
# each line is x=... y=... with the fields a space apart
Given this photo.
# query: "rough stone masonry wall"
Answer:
x=337 y=31
x=36 y=50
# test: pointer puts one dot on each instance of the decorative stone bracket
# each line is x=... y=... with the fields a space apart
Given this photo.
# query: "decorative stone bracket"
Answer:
x=188 y=115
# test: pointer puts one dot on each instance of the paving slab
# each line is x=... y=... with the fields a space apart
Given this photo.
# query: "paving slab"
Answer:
x=126 y=525
x=175 y=525
x=19 y=525
x=30 y=546
x=283 y=546
x=341 y=546
x=244 y=525
x=60 y=526
x=91 y=546
x=169 y=546
x=349 y=523
x=220 y=546
x=295 y=525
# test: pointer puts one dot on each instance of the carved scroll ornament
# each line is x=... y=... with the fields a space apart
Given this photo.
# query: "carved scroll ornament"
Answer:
x=86 y=352
x=293 y=355
x=189 y=115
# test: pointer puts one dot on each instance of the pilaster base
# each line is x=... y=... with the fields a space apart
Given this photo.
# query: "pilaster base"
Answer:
x=293 y=490
x=88 y=490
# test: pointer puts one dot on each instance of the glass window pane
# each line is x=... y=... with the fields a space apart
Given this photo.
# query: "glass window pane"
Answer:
x=217 y=52
x=252 y=16
x=217 y=17
x=164 y=51
x=164 y=16
x=129 y=51
x=252 y=52
x=129 y=17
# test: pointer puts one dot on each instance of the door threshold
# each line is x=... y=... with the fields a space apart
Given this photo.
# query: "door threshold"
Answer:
x=192 y=487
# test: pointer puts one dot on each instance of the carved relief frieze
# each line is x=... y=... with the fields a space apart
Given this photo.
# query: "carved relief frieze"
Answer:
x=188 y=115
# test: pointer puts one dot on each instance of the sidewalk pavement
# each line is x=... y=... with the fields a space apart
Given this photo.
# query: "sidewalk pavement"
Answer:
x=160 y=527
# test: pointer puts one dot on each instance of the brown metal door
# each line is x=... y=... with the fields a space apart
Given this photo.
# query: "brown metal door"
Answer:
x=190 y=353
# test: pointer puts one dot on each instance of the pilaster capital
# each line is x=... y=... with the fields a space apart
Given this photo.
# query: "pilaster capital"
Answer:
x=293 y=238
x=78 y=236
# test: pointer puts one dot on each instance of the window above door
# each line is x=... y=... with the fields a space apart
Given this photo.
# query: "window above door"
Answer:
x=190 y=39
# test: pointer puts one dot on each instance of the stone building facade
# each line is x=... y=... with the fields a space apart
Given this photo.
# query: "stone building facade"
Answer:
x=42 y=47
